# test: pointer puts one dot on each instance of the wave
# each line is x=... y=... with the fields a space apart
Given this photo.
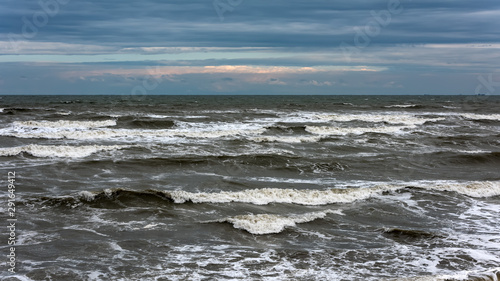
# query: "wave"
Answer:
x=335 y=195
x=404 y=106
x=116 y=197
x=13 y=110
x=476 y=157
x=268 y=224
x=406 y=235
x=407 y=119
x=475 y=116
x=490 y=275
x=133 y=135
x=62 y=151
x=65 y=124
x=330 y=130
x=279 y=128
x=286 y=139
x=276 y=195
x=120 y=198
x=479 y=189
x=63 y=113
x=108 y=198
x=152 y=124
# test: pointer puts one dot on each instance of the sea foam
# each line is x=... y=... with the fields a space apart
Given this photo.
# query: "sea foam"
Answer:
x=406 y=119
x=330 y=130
x=268 y=224
x=58 y=150
x=276 y=195
x=65 y=124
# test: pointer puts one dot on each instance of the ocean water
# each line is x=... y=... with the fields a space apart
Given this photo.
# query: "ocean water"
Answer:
x=252 y=187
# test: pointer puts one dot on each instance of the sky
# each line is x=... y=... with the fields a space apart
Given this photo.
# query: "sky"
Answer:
x=249 y=47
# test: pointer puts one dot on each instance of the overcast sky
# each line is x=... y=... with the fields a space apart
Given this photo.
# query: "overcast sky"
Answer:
x=249 y=47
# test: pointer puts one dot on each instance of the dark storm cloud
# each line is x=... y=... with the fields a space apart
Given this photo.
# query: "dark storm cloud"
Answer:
x=279 y=23
x=279 y=46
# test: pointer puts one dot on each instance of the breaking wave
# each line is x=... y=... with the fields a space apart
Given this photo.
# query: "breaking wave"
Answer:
x=264 y=196
x=269 y=224
x=330 y=130
x=128 y=134
x=59 y=150
x=407 y=119
x=276 y=195
x=66 y=124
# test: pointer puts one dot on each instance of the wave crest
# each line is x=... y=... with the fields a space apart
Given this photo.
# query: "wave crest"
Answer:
x=269 y=224
x=65 y=124
x=63 y=151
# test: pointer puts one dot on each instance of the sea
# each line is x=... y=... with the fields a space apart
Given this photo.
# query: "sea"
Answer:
x=250 y=187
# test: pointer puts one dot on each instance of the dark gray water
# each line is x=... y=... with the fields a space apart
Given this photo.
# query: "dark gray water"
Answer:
x=252 y=187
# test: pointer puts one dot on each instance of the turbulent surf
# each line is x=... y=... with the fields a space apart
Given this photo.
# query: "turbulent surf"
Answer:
x=253 y=187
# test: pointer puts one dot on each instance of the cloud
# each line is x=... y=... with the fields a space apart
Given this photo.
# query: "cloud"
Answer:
x=181 y=70
x=285 y=45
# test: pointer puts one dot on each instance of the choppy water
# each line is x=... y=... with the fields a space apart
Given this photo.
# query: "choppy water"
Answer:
x=253 y=187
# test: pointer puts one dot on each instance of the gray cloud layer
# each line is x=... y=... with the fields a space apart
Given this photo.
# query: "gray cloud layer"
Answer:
x=423 y=39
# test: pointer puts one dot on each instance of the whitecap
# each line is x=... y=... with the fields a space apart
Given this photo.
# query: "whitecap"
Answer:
x=63 y=151
x=475 y=116
x=471 y=188
x=286 y=139
x=268 y=224
x=331 y=130
x=276 y=195
x=396 y=118
x=65 y=124
x=401 y=106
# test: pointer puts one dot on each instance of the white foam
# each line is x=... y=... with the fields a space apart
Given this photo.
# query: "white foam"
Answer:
x=286 y=139
x=64 y=113
x=330 y=130
x=87 y=195
x=27 y=237
x=152 y=225
x=59 y=150
x=400 y=106
x=472 y=151
x=330 y=196
x=268 y=224
x=393 y=118
x=79 y=228
x=472 y=188
x=1 y=110
x=276 y=195
x=476 y=116
x=156 y=116
x=80 y=132
x=65 y=124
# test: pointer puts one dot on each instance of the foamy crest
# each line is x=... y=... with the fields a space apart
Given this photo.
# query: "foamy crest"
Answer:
x=401 y=106
x=330 y=130
x=330 y=196
x=58 y=150
x=268 y=224
x=472 y=188
x=65 y=124
x=407 y=119
x=93 y=131
x=87 y=195
x=276 y=195
x=286 y=139
x=475 y=116
x=490 y=275
x=63 y=113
